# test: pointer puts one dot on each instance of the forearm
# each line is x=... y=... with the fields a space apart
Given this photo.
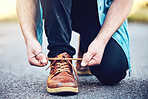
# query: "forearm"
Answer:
x=26 y=11
x=116 y=15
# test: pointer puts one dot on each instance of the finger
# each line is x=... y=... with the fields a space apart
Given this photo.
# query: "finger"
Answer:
x=33 y=61
x=86 y=58
x=94 y=61
x=42 y=59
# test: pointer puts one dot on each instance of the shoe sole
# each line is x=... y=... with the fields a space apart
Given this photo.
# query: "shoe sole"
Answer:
x=62 y=89
x=84 y=73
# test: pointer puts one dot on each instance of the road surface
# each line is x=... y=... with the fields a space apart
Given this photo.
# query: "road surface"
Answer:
x=19 y=80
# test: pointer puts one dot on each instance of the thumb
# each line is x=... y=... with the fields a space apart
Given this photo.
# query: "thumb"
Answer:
x=86 y=58
x=42 y=58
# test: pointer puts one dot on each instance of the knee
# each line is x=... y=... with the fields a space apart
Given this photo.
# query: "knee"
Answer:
x=109 y=77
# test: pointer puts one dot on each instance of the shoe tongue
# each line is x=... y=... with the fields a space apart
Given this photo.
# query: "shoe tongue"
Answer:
x=63 y=55
x=60 y=56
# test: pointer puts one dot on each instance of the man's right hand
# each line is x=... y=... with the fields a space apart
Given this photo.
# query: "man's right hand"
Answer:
x=28 y=11
x=35 y=57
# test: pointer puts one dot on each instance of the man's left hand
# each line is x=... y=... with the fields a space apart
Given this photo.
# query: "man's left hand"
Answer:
x=94 y=54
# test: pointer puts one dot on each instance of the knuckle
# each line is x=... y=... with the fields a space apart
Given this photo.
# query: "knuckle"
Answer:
x=30 y=61
x=41 y=65
x=86 y=59
x=98 y=62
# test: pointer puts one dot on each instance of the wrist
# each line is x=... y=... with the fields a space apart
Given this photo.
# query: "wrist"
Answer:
x=31 y=41
x=29 y=36
x=102 y=40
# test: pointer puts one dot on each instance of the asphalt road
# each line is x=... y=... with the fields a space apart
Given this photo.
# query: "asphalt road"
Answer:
x=19 y=80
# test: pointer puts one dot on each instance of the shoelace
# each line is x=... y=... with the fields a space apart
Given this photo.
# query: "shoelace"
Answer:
x=63 y=64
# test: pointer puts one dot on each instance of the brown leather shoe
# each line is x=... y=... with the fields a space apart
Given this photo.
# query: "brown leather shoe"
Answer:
x=61 y=78
x=82 y=70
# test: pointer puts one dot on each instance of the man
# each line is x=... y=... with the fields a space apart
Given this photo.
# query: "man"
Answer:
x=104 y=41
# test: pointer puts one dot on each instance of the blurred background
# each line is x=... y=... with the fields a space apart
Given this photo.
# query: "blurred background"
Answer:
x=8 y=10
x=20 y=80
x=139 y=11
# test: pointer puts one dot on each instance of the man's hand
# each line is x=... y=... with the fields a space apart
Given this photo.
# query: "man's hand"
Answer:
x=35 y=57
x=94 y=53
x=28 y=13
x=112 y=22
